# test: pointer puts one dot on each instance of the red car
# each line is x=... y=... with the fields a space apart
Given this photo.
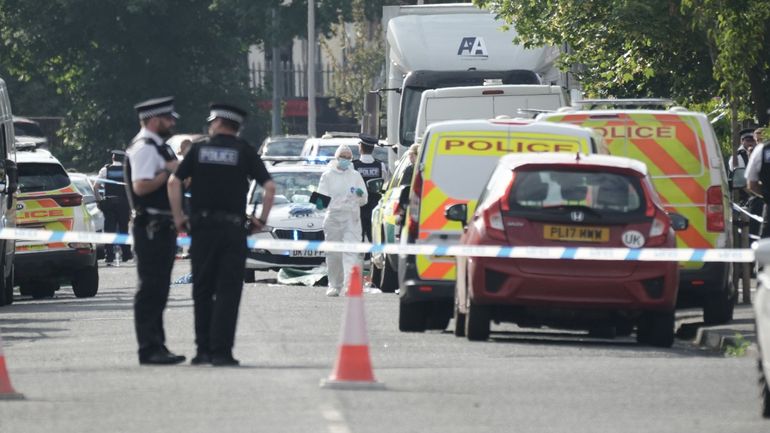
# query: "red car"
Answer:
x=558 y=200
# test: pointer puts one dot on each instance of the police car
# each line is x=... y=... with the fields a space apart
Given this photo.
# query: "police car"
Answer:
x=48 y=200
x=292 y=217
x=321 y=150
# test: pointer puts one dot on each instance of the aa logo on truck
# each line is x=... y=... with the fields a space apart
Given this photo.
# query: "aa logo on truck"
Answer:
x=473 y=47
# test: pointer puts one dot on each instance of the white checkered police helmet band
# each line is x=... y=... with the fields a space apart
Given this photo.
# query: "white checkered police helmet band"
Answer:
x=225 y=114
x=160 y=111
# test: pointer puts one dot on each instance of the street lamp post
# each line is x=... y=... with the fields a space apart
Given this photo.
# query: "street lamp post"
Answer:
x=311 y=93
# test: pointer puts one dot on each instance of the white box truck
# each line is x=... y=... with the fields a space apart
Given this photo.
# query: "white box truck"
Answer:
x=449 y=45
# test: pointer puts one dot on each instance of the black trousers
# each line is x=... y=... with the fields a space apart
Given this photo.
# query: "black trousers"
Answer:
x=765 y=232
x=218 y=255
x=366 y=224
x=116 y=215
x=155 y=254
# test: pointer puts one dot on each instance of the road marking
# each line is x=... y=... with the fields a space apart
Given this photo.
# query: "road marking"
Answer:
x=335 y=419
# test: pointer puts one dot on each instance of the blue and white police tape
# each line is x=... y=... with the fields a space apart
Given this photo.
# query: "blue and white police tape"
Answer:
x=523 y=252
x=104 y=180
x=747 y=213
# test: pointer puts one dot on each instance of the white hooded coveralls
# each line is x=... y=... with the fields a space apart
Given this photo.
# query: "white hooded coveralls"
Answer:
x=343 y=220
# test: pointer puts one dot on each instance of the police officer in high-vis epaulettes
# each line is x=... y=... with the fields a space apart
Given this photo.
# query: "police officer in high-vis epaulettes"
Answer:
x=221 y=169
x=369 y=168
x=114 y=204
x=149 y=163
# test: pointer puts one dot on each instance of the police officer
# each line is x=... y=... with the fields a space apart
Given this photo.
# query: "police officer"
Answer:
x=369 y=168
x=748 y=143
x=758 y=179
x=114 y=204
x=221 y=168
x=149 y=163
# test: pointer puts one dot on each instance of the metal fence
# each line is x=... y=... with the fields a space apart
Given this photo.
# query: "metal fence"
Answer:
x=293 y=79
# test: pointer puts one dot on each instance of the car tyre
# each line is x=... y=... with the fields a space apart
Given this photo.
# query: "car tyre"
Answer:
x=9 y=282
x=411 y=316
x=656 y=328
x=718 y=308
x=389 y=279
x=439 y=315
x=477 y=322
x=459 y=323
x=249 y=276
x=85 y=282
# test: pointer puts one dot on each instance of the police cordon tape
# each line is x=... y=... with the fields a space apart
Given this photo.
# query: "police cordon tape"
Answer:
x=730 y=255
x=747 y=213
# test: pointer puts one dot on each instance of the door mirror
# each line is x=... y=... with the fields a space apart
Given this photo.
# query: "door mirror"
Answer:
x=374 y=185
x=370 y=123
x=457 y=212
x=678 y=222
x=739 y=178
x=13 y=176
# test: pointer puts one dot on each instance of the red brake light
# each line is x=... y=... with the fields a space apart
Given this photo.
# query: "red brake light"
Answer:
x=492 y=92
x=68 y=200
x=658 y=230
x=715 y=216
x=505 y=204
x=414 y=206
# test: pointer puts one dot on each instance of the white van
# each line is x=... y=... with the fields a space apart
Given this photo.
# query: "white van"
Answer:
x=8 y=186
x=486 y=102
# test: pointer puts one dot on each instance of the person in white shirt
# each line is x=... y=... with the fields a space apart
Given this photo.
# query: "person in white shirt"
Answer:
x=741 y=159
x=347 y=192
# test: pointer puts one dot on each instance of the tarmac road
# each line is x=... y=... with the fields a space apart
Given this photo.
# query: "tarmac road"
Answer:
x=75 y=361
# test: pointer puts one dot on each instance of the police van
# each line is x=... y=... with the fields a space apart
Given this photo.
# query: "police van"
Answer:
x=8 y=185
x=486 y=102
x=685 y=163
x=455 y=161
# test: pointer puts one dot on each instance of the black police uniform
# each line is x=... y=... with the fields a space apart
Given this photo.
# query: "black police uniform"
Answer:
x=221 y=169
x=369 y=171
x=154 y=245
x=764 y=177
x=116 y=209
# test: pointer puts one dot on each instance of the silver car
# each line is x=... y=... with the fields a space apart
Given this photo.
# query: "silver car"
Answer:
x=292 y=217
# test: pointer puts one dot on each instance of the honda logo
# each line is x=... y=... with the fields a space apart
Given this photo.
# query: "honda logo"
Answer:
x=577 y=216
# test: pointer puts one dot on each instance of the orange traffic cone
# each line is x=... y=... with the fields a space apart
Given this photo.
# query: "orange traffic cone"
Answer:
x=353 y=368
x=6 y=389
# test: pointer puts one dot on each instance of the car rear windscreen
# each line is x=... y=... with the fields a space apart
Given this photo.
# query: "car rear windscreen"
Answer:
x=285 y=148
x=35 y=177
x=595 y=190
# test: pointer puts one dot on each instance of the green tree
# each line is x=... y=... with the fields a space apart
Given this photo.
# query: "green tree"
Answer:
x=690 y=50
x=91 y=60
x=361 y=62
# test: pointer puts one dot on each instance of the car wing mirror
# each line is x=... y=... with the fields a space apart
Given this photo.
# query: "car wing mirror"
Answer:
x=457 y=212
x=678 y=222
x=739 y=178
x=374 y=185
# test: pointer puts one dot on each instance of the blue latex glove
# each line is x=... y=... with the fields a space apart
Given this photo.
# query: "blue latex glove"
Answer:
x=319 y=204
x=359 y=192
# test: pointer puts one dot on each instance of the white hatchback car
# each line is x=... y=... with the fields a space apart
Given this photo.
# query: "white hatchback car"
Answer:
x=762 y=317
x=321 y=150
x=292 y=217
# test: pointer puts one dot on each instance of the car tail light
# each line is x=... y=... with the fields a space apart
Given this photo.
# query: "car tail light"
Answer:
x=659 y=229
x=493 y=222
x=505 y=199
x=415 y=196
x=68 y=200
x=715 y=216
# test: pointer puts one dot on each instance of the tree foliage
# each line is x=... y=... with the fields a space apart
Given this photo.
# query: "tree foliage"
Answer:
x=685 y=49
x=91 y=60
x=361 y=61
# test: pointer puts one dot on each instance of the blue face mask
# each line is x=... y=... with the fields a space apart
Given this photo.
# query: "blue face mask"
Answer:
x=343 y=164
